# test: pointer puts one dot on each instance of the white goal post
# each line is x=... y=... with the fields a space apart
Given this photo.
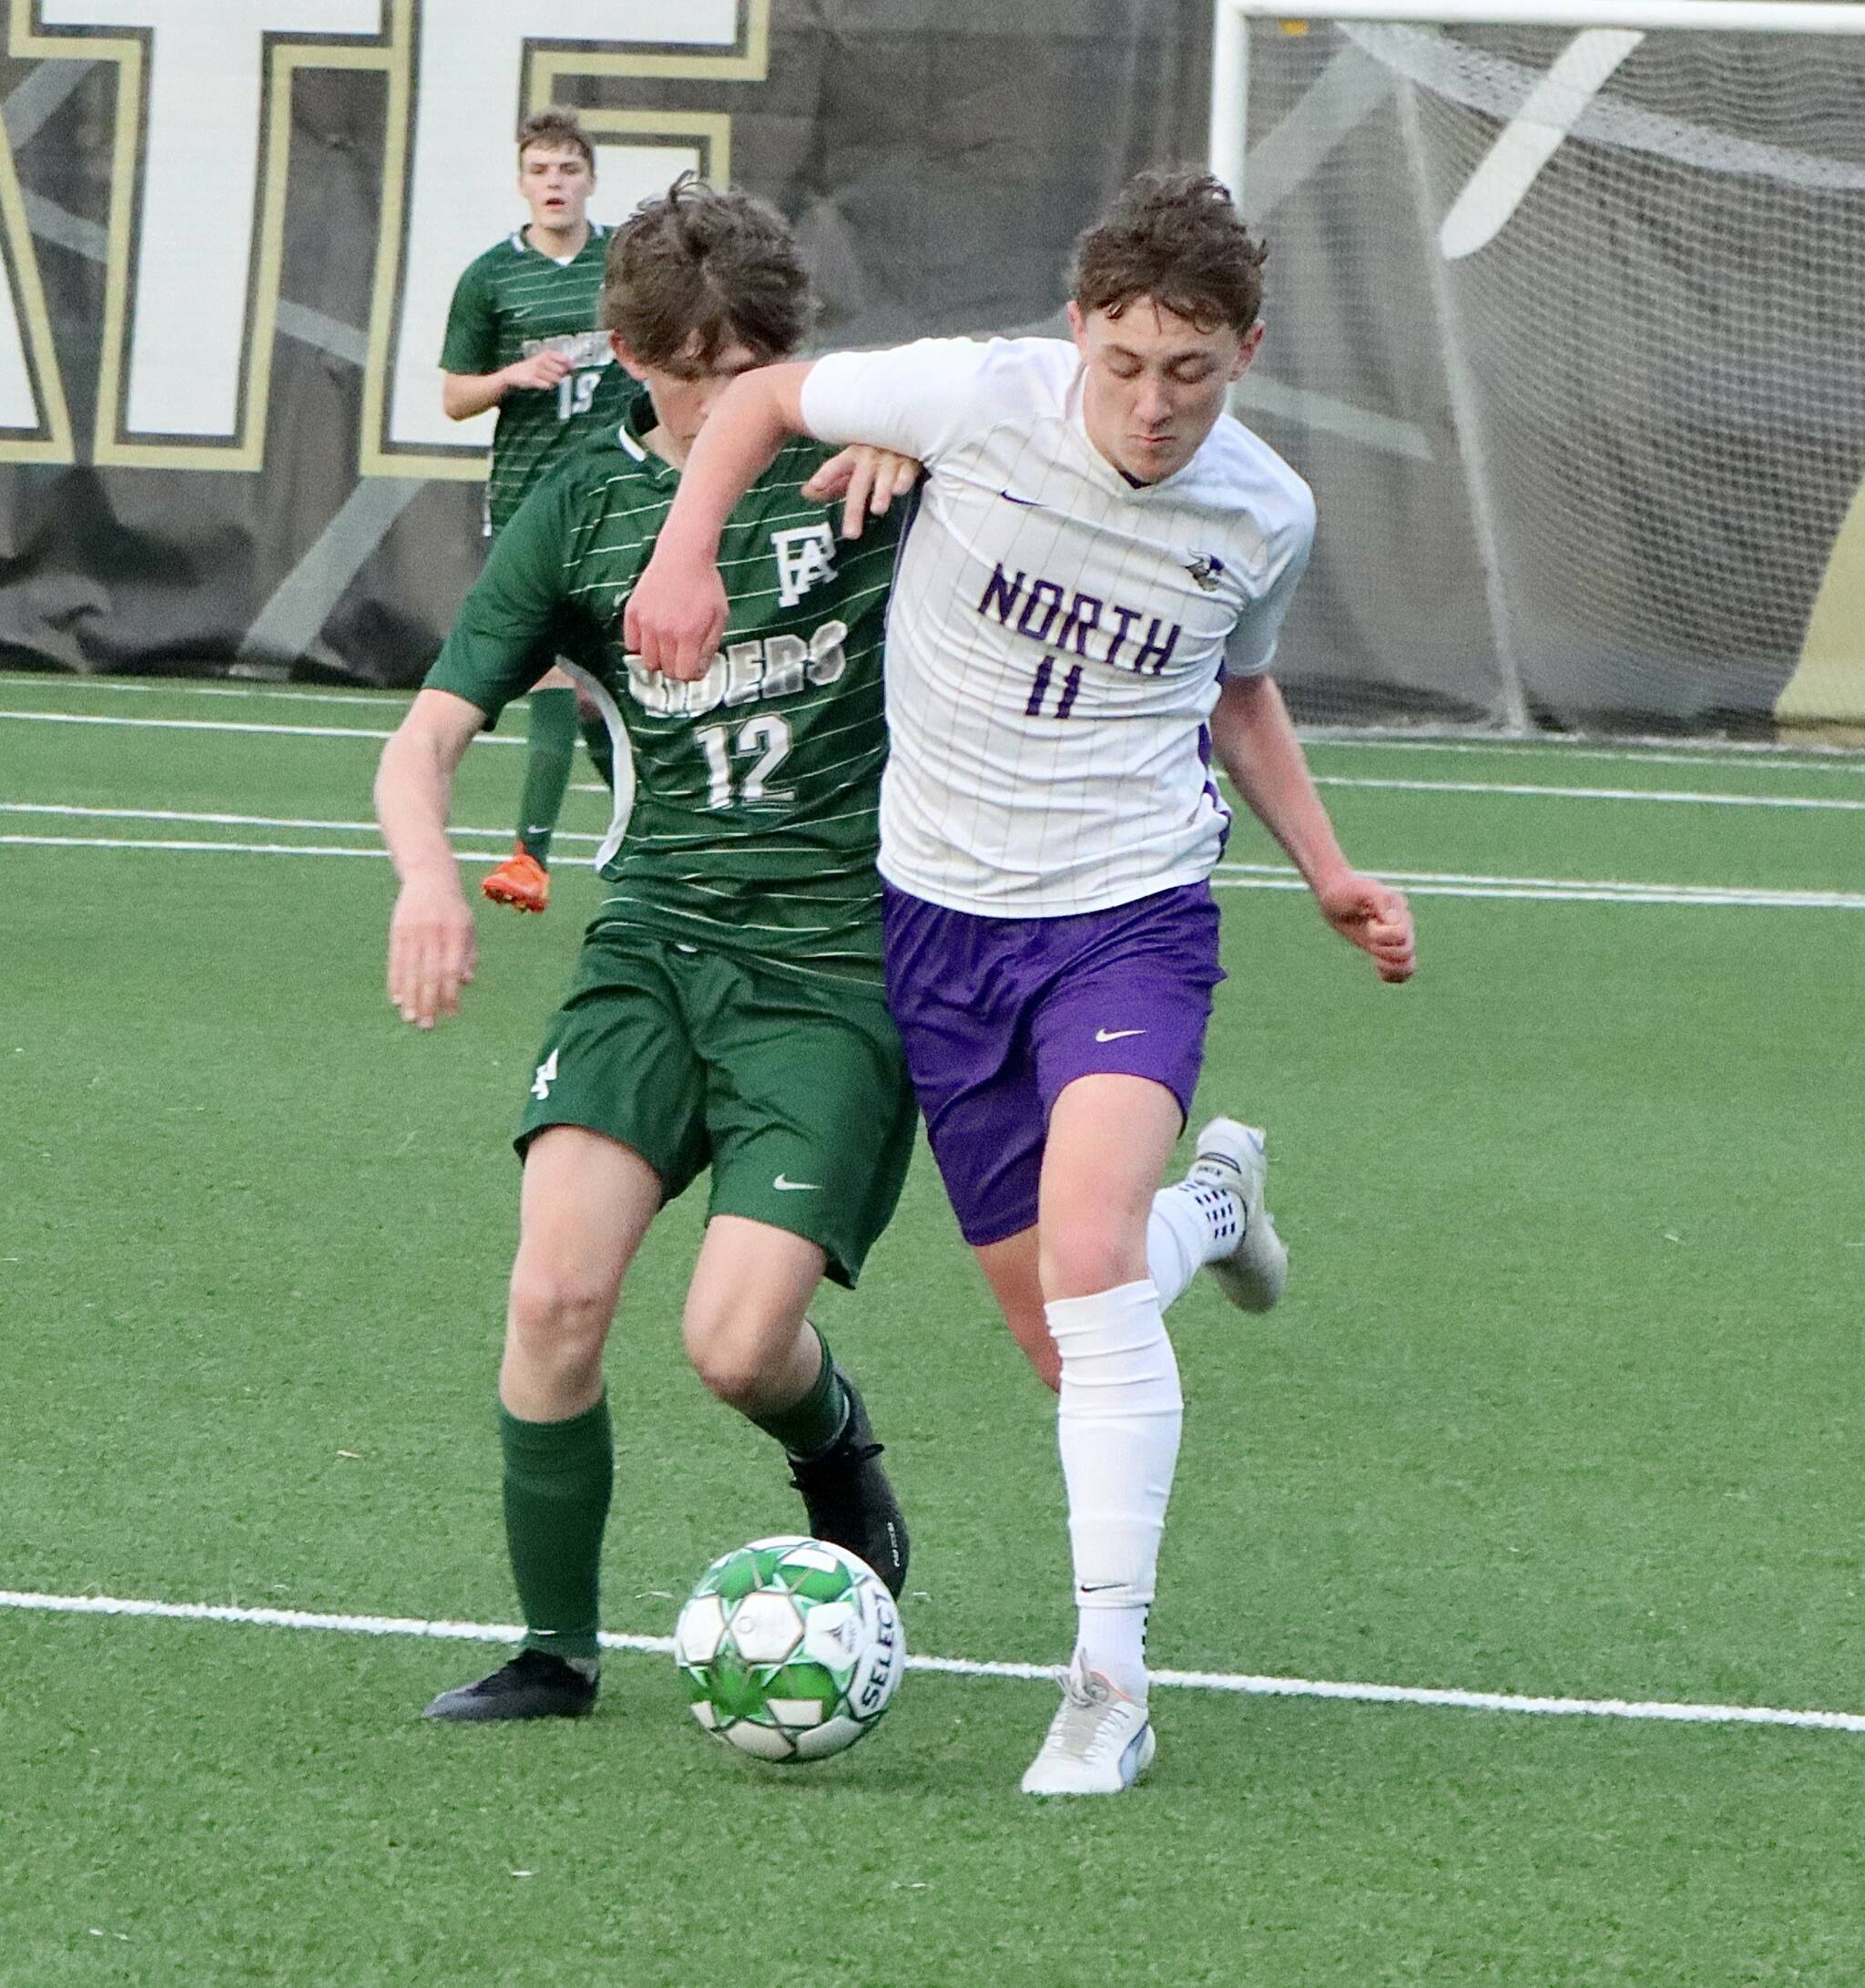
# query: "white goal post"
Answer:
x=1565 y=303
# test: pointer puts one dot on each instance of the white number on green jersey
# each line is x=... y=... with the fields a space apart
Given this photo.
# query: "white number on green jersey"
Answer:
x=575 y=391
x=766 y=739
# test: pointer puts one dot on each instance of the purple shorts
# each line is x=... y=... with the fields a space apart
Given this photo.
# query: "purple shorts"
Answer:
x=999 y=1014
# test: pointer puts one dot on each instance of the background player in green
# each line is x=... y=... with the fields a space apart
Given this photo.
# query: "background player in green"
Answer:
x=521 y=336
x=727 y=1005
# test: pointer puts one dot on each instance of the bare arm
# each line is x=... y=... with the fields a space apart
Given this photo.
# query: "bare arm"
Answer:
x=676 y=613
x=1255 y=744
x=465 y=394
x=432 y=947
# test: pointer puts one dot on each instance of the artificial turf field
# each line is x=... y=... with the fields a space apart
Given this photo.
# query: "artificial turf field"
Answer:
x=1564 y=1400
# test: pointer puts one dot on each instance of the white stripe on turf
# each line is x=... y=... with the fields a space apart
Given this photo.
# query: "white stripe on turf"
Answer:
x=62 y=810
x=1230 y=877
x=1184 y=1681
x=171 y=686
x=1513 y=788
x=1518 y=787
x=1635 y=749
x=227 y=724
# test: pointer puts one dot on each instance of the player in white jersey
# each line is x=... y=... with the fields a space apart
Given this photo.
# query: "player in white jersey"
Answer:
x=1086 y=608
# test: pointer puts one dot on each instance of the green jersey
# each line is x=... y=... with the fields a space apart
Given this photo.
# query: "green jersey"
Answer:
x=754 y=790
x=511 y=303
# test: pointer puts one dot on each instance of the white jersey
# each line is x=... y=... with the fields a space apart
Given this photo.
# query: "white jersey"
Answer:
x=1057 y=636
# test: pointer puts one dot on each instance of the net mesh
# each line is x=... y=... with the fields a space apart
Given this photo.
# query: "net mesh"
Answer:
x=1569 y=334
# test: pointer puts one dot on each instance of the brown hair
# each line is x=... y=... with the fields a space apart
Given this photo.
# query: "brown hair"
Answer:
x=1177 y=238
x=554 y=126
x=693 y=271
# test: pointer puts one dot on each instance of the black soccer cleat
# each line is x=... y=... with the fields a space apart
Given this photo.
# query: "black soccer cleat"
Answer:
x=534 y=1685
x=848 y=1497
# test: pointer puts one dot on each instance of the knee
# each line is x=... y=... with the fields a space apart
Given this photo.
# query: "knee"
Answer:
x=557 y=1318
x=1078 y=1262
x=730 y=1353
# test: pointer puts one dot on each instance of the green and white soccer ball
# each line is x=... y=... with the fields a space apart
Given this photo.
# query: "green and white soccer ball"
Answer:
x=790 y=1649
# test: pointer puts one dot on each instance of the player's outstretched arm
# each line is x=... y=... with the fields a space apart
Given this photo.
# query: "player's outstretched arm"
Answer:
x=1256 y=745
x=676 y=613
x=465 y=394
x=432 y=943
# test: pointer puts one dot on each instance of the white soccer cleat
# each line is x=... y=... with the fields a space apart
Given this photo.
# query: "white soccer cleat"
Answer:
x=1100 y=1743
x=1232 y=1155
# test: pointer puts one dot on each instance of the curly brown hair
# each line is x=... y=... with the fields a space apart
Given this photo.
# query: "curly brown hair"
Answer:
x=692 y=272
x=554 y=126
x=1177 y=238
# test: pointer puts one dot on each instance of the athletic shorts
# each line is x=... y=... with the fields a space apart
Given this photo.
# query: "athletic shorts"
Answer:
x=793 y=1089
x=999 y=1014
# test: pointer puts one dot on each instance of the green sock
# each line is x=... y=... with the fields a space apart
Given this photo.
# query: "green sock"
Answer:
x=558 y=1478
x=547 y=764
x=602 y=748
x=811 y=1426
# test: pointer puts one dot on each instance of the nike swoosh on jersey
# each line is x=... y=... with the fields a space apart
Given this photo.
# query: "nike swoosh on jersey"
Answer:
x=1027 y=504
x=797 y=1187
x=1114 y=1034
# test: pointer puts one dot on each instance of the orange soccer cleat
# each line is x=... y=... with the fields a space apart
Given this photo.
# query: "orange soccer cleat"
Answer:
x=521 y=881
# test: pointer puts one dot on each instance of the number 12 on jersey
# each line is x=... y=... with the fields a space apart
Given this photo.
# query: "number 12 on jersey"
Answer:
x=765 y=739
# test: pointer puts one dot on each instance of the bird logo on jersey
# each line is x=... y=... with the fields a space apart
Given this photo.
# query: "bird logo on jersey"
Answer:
x=805 y=558
x=1207 y=570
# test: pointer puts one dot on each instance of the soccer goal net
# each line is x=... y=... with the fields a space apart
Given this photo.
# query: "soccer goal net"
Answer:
x=1566 y=326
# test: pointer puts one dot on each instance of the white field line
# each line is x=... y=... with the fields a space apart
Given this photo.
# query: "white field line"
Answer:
x=1673 y=752
x=241 y=821
x=1655 y=751
x=1329 y=779
x=1245 y=876
x=225 y=724
x=164 y=686
x=1229 y=877
x=1594 y=793
x=1243 y=1683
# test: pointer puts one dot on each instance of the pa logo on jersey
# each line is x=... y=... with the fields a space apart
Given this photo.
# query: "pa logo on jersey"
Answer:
x=1207 y=570
x=805 y=558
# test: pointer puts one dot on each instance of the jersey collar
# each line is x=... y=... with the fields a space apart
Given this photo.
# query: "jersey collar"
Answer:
x=639 y=419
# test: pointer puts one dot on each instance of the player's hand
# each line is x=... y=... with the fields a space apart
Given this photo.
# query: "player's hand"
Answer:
x=542 y=371
x=1374 y=917
x=867 y=480
x=433 y=949
x=674 y=619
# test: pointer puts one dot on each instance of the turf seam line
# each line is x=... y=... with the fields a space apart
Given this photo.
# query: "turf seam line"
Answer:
x=1244 y=1684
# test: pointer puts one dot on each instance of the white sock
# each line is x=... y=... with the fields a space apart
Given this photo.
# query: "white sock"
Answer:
x=1191 y=1224
x=1117 y=1426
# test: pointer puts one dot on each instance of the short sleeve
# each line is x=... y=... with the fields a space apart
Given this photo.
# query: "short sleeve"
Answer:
x=514 y=609
x=921 y=399
x=1251 y=645
x=470 y=345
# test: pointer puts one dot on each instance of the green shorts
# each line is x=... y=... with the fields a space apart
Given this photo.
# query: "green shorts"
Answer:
x=793 y=1088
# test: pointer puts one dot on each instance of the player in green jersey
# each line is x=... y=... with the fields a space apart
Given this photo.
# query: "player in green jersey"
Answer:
x=522 y=337
x=727 y=1009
